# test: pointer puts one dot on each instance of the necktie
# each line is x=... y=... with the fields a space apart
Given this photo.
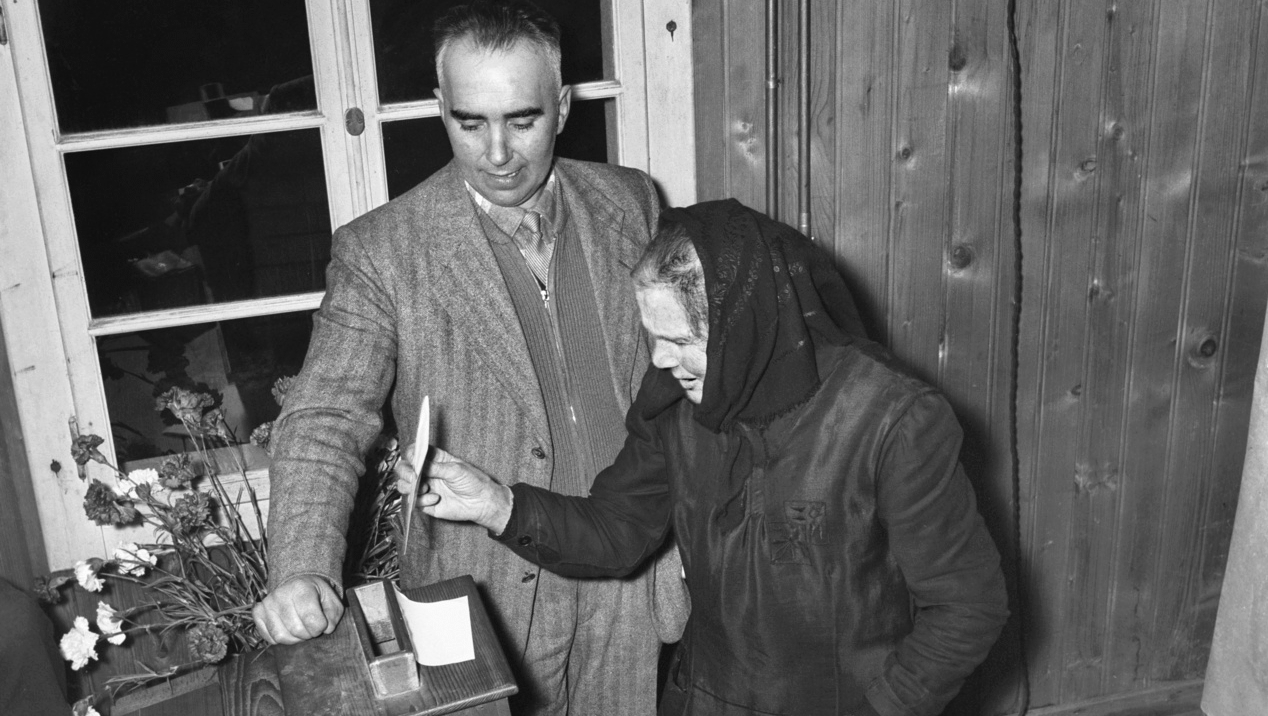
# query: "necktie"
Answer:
x=536 y=245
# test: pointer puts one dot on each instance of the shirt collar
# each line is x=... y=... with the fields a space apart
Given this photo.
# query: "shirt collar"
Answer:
x=508 y=218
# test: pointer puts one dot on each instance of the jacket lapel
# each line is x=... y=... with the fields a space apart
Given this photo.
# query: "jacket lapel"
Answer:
x=469 y=285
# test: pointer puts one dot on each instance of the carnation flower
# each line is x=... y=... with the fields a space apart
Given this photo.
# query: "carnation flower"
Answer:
x=213 y=425
x=79 y=645
x=186 y=405
x=176 y=472
x=105 y=507
x=84 y=448
x=110 y=624
x=86 y=573
x=261 y=435
x=207 y=643
x=191 y=512
x=83 y=707
x=134 y=560
x=46 y=588
x=391 y=451
x=140 y=482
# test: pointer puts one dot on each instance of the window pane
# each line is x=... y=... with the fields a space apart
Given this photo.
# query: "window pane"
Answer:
x=129 y=63
x=201 y=222
x=237 y=363
x=416 y=148
x=585 y=134
x=404 y=51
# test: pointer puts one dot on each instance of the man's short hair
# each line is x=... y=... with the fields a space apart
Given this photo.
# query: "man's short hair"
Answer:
x=498 y=25
x=670 y=261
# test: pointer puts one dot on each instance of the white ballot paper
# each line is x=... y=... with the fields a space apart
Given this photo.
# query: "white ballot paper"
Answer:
x=441 y=631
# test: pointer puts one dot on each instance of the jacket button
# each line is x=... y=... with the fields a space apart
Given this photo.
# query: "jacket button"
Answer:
x=539 y=453
x=525 y=541
x=528 y=577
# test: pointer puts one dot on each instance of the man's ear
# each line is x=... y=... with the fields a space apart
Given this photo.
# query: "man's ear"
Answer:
x=565 y=104
x=440 y=96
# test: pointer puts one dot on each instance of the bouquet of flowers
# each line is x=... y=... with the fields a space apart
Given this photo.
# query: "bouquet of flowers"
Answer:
x=208 y=565
x=205 y=569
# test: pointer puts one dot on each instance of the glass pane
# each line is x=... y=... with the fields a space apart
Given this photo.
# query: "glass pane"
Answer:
x=413 y=149
x=130 y=63
x=201 y=222
x=404 y=51
x=237 y=363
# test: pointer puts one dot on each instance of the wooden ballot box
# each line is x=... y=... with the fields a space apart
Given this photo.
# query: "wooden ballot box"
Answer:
x=331 y=675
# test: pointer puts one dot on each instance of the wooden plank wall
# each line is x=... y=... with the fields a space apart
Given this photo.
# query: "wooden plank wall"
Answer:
x=1144 y=265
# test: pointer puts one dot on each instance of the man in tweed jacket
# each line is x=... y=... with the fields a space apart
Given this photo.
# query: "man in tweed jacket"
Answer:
x=529 y=375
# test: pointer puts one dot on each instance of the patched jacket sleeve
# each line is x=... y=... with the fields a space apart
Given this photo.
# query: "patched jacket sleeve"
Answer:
x=950 y=563
x=611 y=532
x=330 y=417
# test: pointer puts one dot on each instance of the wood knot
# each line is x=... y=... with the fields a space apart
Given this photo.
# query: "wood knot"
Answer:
x=1092 y=478
x=1204 y=350
x=961 y=256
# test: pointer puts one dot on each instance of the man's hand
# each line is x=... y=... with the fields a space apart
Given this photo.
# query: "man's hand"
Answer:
x=457 y=491
x=302 y=608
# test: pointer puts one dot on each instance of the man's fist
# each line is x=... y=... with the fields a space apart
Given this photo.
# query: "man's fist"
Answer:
x=302 y=608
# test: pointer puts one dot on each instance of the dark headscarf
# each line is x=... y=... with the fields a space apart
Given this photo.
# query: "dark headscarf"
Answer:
x=773 y=297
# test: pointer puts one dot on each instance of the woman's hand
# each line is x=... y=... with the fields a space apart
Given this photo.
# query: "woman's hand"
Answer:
x=456 y=491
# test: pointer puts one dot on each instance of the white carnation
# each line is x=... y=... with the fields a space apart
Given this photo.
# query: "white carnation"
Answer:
x=143 y=476
x=110 y=624
x=79 y=645
x=87 y=576
x=133 y=560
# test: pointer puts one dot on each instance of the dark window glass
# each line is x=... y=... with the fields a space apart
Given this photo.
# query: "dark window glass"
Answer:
x=405 y=54
x=237 y=363
x=415 y=148
x=585 y=134
x=130 y=63
x=206 y=221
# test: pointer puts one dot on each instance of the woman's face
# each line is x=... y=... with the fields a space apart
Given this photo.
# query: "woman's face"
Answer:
x=675 y=347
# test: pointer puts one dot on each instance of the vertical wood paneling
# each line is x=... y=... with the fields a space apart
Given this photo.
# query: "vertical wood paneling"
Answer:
x=1100 y=486
x=1243 y=330
x=862 y=161
x=730 y=75
x=825 y=62
x=1041 y=36
x=788 y=134
x=1145 y=233
x=1062 y=248
x=918 y=197
x=1207 y=287
x=978 y=266
x=1166 y=142
x=708 y=58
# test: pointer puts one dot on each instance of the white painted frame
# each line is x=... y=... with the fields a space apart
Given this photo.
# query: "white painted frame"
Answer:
x=44 y=309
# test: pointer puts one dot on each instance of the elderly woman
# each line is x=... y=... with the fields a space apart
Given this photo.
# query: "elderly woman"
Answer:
x=831 y=544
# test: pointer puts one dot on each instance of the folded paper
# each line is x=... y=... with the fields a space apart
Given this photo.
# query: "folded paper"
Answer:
x=440 y=631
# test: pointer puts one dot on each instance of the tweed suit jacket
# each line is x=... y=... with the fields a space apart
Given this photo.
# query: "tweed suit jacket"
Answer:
x=416 y=305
